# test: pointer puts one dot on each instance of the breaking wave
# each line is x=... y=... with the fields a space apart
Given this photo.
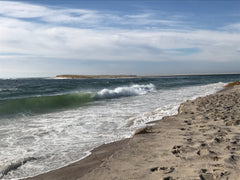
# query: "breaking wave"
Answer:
x=125 y=91
x=45 y=104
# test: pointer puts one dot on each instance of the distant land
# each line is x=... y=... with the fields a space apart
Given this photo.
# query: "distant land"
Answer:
x=70 y=76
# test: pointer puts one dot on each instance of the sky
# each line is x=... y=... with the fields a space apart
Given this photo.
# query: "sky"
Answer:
x=44 y=38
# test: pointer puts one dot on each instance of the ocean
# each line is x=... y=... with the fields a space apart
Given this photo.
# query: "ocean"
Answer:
x=47 y=123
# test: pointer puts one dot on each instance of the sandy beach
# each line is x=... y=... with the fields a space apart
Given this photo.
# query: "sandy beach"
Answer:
x=201 y=142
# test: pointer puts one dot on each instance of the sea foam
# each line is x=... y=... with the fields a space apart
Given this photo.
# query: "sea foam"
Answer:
x=125 y=91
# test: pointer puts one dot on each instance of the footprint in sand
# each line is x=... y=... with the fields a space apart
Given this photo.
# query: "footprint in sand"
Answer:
x=164 y=170
x=205 y=152
x=232 y=159
x=180 y=150
x=188 y=122
x=168 y=178
x=206 y=174
x=177 y=150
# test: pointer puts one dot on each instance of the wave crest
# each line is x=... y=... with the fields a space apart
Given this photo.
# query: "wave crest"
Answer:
x=125 y=91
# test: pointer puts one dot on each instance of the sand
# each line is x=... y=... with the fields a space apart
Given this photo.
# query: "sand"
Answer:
x=201 y=142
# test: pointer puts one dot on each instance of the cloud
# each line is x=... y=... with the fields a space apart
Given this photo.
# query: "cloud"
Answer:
x=30 y=12
x=148 y=19
x=26 y=10
x=232 y=27
x=22 y=10
x=20 y=34
x=116 y=45
x=184 y=51
x=78 y=17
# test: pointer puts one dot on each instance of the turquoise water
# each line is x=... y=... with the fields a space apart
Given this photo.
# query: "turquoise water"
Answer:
x=48 y=123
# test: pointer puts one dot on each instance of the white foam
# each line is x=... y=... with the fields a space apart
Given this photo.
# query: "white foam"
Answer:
x=8 y=89
x=170 y=100
x=124 y=91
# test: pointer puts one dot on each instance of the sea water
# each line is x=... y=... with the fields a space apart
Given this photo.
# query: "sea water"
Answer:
x=48 y=123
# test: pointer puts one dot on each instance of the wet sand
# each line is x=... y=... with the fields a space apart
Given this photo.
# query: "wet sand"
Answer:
x=201 y=142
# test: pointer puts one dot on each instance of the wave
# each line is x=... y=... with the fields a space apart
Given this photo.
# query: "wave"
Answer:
x=125 y=91
x=43 y=104
x=13 y=166
x=8 y=89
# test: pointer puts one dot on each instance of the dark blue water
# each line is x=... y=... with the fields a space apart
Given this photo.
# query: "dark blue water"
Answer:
x=18 y=88
x=35 y=95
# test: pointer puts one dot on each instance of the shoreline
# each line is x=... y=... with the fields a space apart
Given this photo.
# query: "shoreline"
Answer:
x=86 y=164
x=107 y=158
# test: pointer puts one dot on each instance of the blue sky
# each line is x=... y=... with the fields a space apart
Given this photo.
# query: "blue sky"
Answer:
x=144 y=37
